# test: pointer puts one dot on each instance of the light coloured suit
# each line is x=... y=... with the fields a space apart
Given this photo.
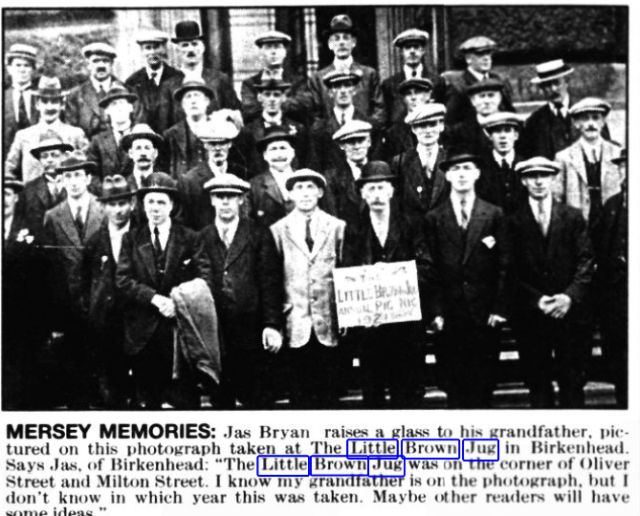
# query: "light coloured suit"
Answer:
x=570 y=185
x=308 y=279
x=19 y=160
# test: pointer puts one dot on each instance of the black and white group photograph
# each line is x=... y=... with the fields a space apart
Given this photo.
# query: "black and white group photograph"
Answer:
x=334 y=207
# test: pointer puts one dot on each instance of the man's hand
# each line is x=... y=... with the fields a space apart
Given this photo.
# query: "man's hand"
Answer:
x=164 y=305
x=562 y=304
x=271 y=340
x=496 y=320
x=437 y=324
x=546 y=304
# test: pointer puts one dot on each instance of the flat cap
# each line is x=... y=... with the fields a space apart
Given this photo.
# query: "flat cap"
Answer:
x=216 y=131
x=501 y=118
x=340 y=23
x=192 y=85
x=50 y=140
x=226 y=183
x=273 y=84
x=23 y=51
x=77 y=161
x=272 y=36
x=590 y=105
x=375 y=171
x=551 y=70
x=456 y=156
x=99 y=48
x=117 y=91
x=337 y=77
x=419 y=83
x=158 y=182
x=477 y=44
x=411 y=36
x=352 y=129
x=151 y=35
x=490 y=84
x=425 y=112
x=141 y=132
x=306 y=174
x=538 y=165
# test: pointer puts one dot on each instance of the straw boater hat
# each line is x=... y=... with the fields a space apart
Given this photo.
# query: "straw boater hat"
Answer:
x=538 y=165
x=550 y=71
x=21 y=51
x=226 y=183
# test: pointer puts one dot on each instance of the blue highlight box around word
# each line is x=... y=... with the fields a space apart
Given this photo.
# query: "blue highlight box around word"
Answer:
x=397 y=454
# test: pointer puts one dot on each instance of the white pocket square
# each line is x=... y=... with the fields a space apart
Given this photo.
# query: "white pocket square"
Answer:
x=489 y=241
x=186 y=262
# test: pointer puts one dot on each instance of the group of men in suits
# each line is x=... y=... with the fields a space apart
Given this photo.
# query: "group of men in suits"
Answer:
x=263 y=197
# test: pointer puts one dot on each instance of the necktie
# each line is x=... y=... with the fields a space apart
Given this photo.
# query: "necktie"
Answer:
x=79 y=222
x=225 y=237
x=464 y=216
x=505 y=167
x=542 y=218
x=414 y=73
x=23 y=119
x=101 y=93
x=343 y=118
x=594 y=156
x=152 y=77
x=157 y=247
x=307 y=234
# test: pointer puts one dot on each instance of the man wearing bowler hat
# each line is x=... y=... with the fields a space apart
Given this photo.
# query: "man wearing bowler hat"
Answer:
x=554 y=265
x=421 y=185
x=45 y=191
x=297 y=103
x=19 y=102
x=468 y=265
x=450 y=89
x=49 y=102
x=155 y=257
x=105 y=308
x=105 y=147
x=146 y=81
x=499 y=183
x=247 y=285
x=67 y=228
x=83 y=109
x=268 y=198
x=412 y=44
x=189 y=41
x=390 y=352
x=310 y=241
x=341 y=40
x=588 y=178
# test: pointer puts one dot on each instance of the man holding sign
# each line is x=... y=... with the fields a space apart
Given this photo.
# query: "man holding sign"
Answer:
x=390 y=352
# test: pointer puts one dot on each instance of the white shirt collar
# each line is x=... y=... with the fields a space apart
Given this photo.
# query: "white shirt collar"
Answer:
x=217 y=171
x=478 y=75
x=343 y=64
x=163 y=232
x=56 y=125
x=158 y=73
x=300 y=221
x=356 y=170
x=281 y=180
x=589 y=148
x=546 y=204
x=348 y=113
x=455 y=201
x=195 y=73
x=428 y=155
x=232 y=228
x=510 y=157
x=138 y=176
x=408 y=71
x=276 y=120
x=106 y=84
x=380 y=226
x=564 y=108
x=115 y=236
x=7 y=226
x=83 y=203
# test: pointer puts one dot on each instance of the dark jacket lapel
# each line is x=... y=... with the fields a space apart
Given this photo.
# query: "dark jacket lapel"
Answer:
x=271 y=188
x=239 y=242
x=173 y=252
x=477 y=220
x=68 y=225
x=146 y=251
x=450 y=223
x=554 y=229
x=94 y=218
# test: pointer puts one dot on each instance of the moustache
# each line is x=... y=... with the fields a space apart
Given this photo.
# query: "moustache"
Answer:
x=191 y=54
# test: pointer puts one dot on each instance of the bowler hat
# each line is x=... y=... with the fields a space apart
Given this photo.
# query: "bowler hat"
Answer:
x=375 y=171
x=158 y=182
x=187 y=30
x=77 y=161
x=141 y=132
x=192 y=85
x=49 y=87
x=273 y=134
x=306 y=174
x=458 y=156
x=50 y=140
x=226 y=183
x=117 y=91
x=115 y=187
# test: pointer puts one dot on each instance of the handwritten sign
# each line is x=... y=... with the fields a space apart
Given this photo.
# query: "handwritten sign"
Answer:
x=371 y=295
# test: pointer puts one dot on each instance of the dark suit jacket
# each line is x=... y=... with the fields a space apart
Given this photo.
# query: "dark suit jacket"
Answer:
x=398 y=138
x=33 y=203
x=496 y=187
x=247 y=283
x=82 y=109
x=197 y=211
x=149 y=94
x=342 y=197
x=265 y=200
x=450 y=90
x=411 y=188
x=10 y=127
x=393 y=101
x=138 y=280
x=468 y=274
x=170 y=112
x=368 y=98
x=469 y=136
x=297 y=106
x=109 y=156
x=560 y=263
x=182 y=149
x=64 y=249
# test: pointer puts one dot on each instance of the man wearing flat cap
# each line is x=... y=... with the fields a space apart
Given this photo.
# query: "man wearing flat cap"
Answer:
x=309 y=241
x=189 y=41
x=554 y=265
x=146 y=81
x=218 y=140
x=45 y=191
x=271 y=97
x=499 y=183
x=399 y=137
x=67 y=227
x=421 y=185
x=156 y=257
x=368 y=94
x=268 y=198
x=83 y=109
x=390 y=352
x=412 y=44
x=297 y=103
x=49 y=103
x=451 y=87
x=588 y=178
x=247 y=284
x=19 y=102
x=104 y=305
x=105 y=147
x=468 y=263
